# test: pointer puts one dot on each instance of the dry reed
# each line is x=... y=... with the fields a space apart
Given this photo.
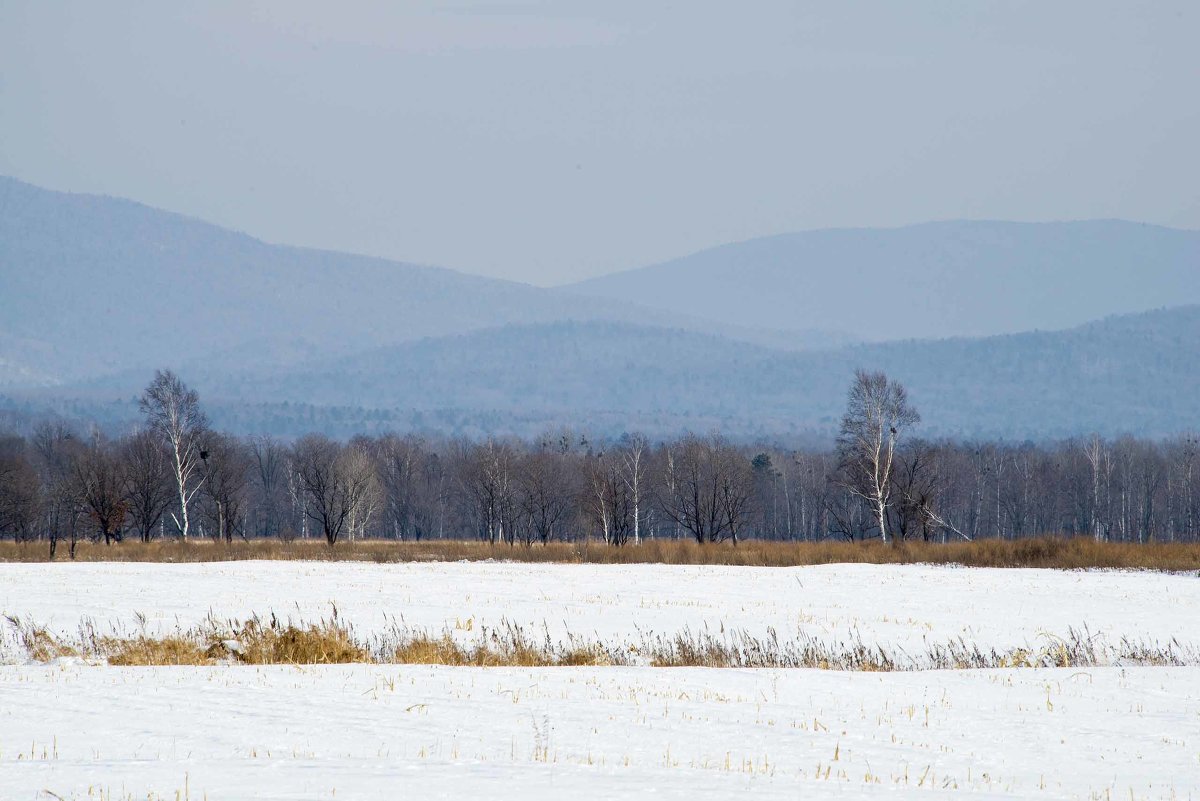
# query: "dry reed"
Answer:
x=255 y=642
x=1049 y=552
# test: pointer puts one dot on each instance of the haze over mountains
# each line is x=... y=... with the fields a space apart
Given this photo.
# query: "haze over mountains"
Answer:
x=149 y=287
x=1130 y=374
x=749 y=338
x=933 y=280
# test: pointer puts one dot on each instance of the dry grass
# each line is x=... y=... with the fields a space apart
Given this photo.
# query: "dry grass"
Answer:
x=170 y=650
x=324 y=643
x=1079 y=648
x=1051 y=552
x=507 y=645
x=254 y=642
x=39 y=642
x=251 y=642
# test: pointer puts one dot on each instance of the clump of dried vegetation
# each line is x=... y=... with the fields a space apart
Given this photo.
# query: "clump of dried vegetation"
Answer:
x=1079 y=648
x=507 y=646
x=1049 y=552
x=38 y=641
x=252 y=642
x=274 y=642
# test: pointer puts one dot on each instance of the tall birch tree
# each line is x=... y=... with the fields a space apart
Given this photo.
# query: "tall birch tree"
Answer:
x=877 y=415
x=173 y=412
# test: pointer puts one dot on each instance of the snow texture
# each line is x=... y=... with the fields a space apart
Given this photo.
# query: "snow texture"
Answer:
x=390 y=731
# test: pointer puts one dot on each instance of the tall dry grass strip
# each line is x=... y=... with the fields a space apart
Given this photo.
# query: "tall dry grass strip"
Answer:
x=1049 y=552
x=273 y=642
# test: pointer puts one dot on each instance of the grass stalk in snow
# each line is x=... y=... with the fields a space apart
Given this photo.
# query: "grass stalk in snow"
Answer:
x=269 y=641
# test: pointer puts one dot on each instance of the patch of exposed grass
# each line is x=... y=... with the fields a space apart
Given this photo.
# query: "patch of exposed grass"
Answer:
x=38 y=641
x=324 y=643
x=330 y=642
x=173 y=649
x=1048 y=552
x=507 y=646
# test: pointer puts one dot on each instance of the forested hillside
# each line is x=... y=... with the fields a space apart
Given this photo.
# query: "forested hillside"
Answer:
x=1132 y=374
x=287 y=340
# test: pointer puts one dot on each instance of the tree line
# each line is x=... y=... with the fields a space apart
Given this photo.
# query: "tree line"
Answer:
x=176 y=477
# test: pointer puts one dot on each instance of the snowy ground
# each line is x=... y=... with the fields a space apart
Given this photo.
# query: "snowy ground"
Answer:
x=900 y=606
x=387 y=731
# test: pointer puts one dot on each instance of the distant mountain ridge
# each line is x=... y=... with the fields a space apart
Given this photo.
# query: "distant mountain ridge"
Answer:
x=95 y=293
x=91 y=285
x=933 y=280
x=1129 y=374
x=106 y=284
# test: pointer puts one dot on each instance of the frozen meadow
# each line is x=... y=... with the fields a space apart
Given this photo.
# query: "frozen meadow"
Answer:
x=74 y=730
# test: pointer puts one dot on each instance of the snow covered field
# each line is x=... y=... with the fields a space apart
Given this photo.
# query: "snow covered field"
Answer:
x=386 y=732
x=394 y=731
x=896 y=605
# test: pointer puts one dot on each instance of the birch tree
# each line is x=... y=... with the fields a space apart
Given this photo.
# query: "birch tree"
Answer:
x=877 y=415
x=610 y=500
x=633 y=461
x=173 y=412
x=1099 y=458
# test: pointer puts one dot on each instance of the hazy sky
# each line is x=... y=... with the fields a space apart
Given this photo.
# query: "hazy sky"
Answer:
x=547 y=142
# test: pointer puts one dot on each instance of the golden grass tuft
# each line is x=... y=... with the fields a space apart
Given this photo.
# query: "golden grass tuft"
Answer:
x=325 y=643
x=251 y=642
x=172 y=649
x=1048 y=552
x=329 y=642
x=423 y=649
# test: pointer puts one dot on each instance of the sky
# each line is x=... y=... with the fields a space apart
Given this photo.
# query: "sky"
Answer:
x=548 y=142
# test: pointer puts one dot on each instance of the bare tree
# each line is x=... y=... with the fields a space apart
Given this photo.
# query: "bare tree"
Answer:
x=707 y=489
x=917 y=483
x=544 y=493
x=609 y=498
x=269 y=480
x=20 y=490
x=226 y=470
x=412 y=482
x=844 y=513
x=146 y=470
x=335 y=481
x=486 y=476
x=100 y=485
x=1185 y=469
x=56 y=445
x=877 y=415
x=173 y=413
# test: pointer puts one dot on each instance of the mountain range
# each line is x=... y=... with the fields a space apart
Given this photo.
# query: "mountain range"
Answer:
x=933 y=280
x=90 y=285
x=756 y=339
